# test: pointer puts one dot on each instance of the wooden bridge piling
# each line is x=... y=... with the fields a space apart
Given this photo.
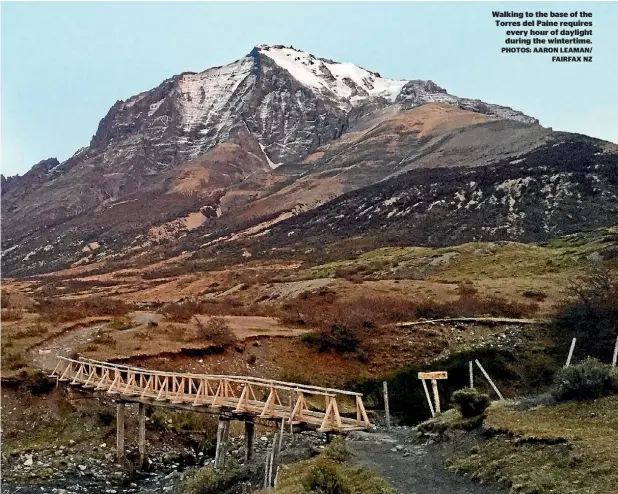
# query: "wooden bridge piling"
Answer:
x=120 y=430
x=141 y=445
x=223 y=433
x=249 y=436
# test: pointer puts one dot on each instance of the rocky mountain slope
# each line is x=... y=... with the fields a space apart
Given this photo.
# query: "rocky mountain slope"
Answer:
x=204 y=156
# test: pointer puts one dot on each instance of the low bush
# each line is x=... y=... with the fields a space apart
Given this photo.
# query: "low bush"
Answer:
x=337 y=338
x=38 y=330
x=180 y=311
x=104 y=339
x=215 y=329
x=586 y=381
x=324 y=478
x=336 y=450
x=35 y=382
x=470 y=402
x=536 y=295
x=11 y=315
x=466 y=289
x=209 y=481
x=120 y=324
x=105 y=417
x=14 y=361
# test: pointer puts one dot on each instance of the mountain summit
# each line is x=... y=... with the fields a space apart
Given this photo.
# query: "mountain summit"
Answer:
x=276 y=132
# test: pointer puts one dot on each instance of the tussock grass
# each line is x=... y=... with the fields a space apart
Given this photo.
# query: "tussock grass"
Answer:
x=568 y=448
x=329 y=473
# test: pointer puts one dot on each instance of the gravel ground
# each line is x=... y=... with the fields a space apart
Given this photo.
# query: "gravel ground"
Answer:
x=411 y=468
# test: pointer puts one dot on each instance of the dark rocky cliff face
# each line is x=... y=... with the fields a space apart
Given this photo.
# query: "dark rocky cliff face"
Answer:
x=568 y=185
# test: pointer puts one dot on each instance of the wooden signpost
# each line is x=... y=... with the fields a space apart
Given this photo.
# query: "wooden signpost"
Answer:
x=433 y=376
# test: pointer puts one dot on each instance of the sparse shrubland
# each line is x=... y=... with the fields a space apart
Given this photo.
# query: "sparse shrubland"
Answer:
x=341 y=321
x=64 y=310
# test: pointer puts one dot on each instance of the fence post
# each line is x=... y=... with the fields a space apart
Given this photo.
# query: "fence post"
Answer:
x=471 y=372
x=433 y=413
x=568 y=362
x=615 y=358
x=436 y=395
x=386 y=408
x=120 y=430
x=490 y=381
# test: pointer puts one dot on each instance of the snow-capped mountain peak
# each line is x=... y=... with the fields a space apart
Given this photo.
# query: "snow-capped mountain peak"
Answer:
x=342 y=81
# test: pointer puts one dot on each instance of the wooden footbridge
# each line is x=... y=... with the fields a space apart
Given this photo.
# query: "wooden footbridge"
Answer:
x=231 y=397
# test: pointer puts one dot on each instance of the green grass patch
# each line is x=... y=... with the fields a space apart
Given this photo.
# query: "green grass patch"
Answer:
x=567 y=448
x=329 y=473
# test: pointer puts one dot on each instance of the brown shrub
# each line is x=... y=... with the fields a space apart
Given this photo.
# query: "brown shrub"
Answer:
x=490 y=306
x=537 y=295
x=466 y=289
x=215 y=329
x=180 y=311
x=4 y=299
x=14 y=361
x=64 y=310
x=104 y=339
x=11 y=315
x=37 y=330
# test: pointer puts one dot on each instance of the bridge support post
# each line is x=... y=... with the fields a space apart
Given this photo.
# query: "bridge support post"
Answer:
x=120 y=430
x=141 y=445
x=223 y=432
x=249 y=435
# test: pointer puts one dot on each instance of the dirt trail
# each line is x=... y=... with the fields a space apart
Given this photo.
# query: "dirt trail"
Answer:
x=44 y=355
x=410 y=468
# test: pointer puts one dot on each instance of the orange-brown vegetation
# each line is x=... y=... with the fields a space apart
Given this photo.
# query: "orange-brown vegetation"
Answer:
x=12 y=314
x=64 y=310
x=215 y=329
x=340 y=321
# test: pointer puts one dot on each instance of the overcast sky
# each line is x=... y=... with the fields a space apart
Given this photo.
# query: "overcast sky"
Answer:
x=65 y=64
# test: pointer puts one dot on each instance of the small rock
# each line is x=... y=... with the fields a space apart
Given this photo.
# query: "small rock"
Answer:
x=29 y=461
x=81 y=467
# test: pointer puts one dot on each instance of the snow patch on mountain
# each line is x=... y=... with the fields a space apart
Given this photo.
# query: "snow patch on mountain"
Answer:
x=206 y=95
x=343 y=81
x=270 y=162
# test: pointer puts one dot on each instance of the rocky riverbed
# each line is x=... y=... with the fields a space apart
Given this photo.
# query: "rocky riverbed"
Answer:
x=75 y=469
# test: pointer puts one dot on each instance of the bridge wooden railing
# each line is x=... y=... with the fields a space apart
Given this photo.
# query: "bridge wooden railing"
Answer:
x=240 y=396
